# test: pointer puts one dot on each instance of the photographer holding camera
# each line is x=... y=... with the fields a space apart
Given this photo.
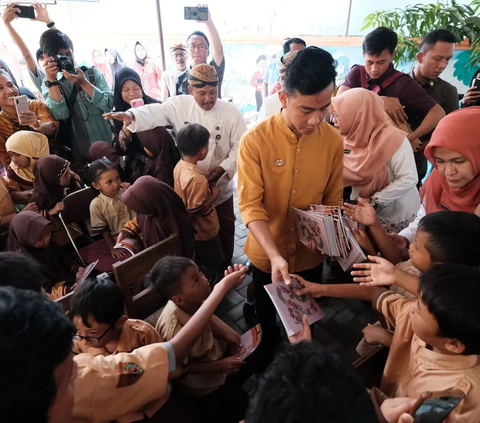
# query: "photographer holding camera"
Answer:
x=79 y=97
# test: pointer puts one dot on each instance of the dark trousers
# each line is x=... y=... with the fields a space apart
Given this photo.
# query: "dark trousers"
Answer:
x=266 y=312
x=226 y=219
x=421 y=163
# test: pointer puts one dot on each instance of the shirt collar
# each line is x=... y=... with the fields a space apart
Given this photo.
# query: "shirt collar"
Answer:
x=182 y=316
x=202 y=111
x=437 y=361
x=285 y=128
x=111 y=200
x=431 y=83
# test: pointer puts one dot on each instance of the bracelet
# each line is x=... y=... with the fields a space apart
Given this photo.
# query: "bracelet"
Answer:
x=51 y=24
x=39 y=124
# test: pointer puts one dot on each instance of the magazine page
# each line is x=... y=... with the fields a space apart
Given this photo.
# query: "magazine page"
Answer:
x=249 y=342
x=132 y=245
x=356 y=254
x=291 y=307
x=310 y=227
x=87 y=271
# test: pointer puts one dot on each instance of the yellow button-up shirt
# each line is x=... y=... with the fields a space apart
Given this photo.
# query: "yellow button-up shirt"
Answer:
x=276 y=172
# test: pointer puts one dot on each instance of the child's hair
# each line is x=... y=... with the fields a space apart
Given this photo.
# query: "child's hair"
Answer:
x=192 y=138
x=450 y=237
x=100 y=298
x=451 y=293
x=20 y=271
x=327 y=387
x=98 y=167
x=166 y=276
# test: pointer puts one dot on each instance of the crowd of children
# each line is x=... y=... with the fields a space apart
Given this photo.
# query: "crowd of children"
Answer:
x=168 y=169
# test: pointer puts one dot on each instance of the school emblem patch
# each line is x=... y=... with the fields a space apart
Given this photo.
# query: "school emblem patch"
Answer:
x=279 y=162
x=130 y=373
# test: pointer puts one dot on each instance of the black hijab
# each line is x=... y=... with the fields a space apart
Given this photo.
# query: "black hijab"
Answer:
x=137 y=59
x=124 y=75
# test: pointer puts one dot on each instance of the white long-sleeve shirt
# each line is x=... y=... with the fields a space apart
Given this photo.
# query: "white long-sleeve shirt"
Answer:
x=411 y=231
x=224 y=122
x=400 y=199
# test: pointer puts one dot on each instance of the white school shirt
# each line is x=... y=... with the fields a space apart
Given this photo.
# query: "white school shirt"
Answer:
x=224 y=122
x=400 y=197
x=411 y=231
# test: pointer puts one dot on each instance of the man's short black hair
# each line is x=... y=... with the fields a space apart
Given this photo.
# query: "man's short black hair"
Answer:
x=451 y=293
x=435 y=36
x=100 y=298
x=450 y=236
x=35 y=339
x=287 y=43
x=166 y=276
x=378 y=40
x=53 y=40
x=20 y=271
x=192 y=138
x=201 y=34
x=312 y=71
x=308 y=383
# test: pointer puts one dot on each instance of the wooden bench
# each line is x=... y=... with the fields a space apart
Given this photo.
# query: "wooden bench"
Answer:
x=370 y=366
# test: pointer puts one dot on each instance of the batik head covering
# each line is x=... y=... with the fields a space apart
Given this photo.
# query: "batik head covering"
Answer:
x=34 y=145
x=202 y=75
x=160 y=213
x=369 y=141
x=459 y=131
x=100 y=149
x=287 y=59
x=47 y=190
x=175 y=47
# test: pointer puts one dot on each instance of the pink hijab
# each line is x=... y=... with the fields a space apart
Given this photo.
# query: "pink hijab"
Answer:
x=369 y=141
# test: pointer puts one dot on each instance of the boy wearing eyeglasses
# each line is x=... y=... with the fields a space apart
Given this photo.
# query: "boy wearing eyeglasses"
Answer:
x=97 y=310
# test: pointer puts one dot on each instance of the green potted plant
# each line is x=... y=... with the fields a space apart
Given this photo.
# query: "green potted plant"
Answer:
x=413 y=22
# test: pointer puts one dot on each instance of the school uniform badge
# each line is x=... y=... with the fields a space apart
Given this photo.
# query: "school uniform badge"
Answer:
x=279 y=162
x=130 y=373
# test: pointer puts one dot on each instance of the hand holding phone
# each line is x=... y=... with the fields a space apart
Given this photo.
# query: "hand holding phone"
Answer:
x=137 y=103
x=21 y=104
x=196 y=13
x=27 y=12
x=435 y=407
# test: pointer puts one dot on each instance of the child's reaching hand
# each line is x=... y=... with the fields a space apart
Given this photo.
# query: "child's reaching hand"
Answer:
x=232 y=339
x=304 y=335
x=56 y=209
x=311 y=288
x=118 y=253
x=233 y=278
x=362 y=213
x=125 y=185
x=230 y=365
x=79 y=274
x=377 y=273
x=375 y=334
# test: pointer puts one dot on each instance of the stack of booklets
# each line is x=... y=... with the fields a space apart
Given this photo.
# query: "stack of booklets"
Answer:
x=331 y=232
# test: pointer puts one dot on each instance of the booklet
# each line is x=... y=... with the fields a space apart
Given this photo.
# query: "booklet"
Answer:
x=331 y=232
x=131 y=245
x=291 y=307
x=250 y=341
x=87 y=271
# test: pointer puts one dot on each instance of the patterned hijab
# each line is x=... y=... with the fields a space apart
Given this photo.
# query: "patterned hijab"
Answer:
x=160 y=213
x=34 y=145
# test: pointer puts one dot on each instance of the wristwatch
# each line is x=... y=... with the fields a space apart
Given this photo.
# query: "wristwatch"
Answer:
x=375 y=203
x=49 y=84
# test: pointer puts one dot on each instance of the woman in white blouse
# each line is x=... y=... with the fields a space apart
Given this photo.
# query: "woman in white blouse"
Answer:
x=378 y=159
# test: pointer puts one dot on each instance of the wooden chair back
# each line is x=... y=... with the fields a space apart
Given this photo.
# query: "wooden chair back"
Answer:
x=140 y=302
x=370 y=366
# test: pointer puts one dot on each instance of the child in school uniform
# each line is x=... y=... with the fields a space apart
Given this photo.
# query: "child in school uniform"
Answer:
x=436 y=342
x=193 y=188
x=97 y=310
x=108 y=213
x=218 y=396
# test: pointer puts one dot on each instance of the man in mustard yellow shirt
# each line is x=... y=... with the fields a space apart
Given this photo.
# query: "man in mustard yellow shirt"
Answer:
x=291 y=159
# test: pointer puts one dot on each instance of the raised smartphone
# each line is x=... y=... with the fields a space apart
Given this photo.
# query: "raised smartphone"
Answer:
x=25 y=12
x=21 y=104
x=137 y=103
x=196 y=13
x=434 y=407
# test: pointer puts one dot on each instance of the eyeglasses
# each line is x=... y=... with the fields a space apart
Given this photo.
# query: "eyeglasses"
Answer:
x=94 y=340
x=194 y=47
x=179 y=55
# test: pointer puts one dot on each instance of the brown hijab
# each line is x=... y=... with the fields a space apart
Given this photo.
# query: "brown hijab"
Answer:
x=163 y=151
x=160 y=213
x=100 y=149
x=56 y=265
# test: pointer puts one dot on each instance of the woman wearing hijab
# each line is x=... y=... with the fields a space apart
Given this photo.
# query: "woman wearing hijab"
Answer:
x=149 y=72
x=99 y=61
x=100 y=149
x=160 y=213
x=128 y=87
x=53 y=180
x=378 y=159
x=38 y=118
x=22 y=90
x=454 y=184
x=24 y=148
x=30 y=234
x=114 y=60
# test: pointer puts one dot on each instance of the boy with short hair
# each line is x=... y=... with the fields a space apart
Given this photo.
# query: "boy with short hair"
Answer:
x=97 y=310
x=179 y=279
x=436 y=341
x=193 y=188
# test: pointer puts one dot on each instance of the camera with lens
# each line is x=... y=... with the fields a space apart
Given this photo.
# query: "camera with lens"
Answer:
x=65 y=62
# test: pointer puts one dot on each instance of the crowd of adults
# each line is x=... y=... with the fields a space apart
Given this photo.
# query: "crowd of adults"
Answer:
x=163 y=160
